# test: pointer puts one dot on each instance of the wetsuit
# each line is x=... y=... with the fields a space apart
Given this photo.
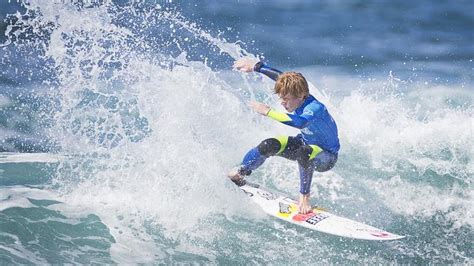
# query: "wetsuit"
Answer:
x=315 y=148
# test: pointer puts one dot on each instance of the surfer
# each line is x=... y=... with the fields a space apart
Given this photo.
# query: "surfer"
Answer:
x=315 y=148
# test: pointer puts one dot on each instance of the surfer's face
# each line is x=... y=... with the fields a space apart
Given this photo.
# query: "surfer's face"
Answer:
x=291 y=102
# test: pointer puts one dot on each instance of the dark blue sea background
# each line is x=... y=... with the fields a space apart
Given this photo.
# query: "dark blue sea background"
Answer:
x=119 y=120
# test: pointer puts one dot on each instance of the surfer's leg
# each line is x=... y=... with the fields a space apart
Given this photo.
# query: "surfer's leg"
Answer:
x=298 y=151
x=253 y=159
x=306 y=176
x=269 y=147
x=311 y=158
x=284 y=146
x=257 y=156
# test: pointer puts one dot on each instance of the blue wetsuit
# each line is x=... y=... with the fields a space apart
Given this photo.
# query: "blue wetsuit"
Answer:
x=315 y=148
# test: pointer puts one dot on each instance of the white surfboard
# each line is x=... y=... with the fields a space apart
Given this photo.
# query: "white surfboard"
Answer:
x=285 y=208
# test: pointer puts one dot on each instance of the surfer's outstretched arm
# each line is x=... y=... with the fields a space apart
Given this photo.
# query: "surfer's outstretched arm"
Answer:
x=267 y=71
x=248 y=65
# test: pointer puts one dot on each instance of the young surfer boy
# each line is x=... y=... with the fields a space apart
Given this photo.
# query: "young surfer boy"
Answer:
x=317 y=145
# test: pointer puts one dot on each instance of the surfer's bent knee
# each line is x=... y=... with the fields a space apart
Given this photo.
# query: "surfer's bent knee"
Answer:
x=324 y=161
x=272 y=146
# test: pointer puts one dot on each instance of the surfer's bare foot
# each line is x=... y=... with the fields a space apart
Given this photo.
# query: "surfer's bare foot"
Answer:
x=236 y=177
x=304 y=205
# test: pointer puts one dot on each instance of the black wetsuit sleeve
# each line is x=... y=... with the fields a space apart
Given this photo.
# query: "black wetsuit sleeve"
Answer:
x=267 y=71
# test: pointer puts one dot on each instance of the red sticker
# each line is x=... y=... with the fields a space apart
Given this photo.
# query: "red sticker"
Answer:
x=303 y=217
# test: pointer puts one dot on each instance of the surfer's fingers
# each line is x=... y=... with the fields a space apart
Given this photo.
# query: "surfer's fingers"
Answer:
x=244 y=64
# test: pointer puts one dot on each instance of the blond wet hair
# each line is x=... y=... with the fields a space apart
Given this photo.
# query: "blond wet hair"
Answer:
x=291 y=83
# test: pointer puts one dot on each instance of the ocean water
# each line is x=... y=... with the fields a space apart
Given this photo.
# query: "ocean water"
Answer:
x=119 y=120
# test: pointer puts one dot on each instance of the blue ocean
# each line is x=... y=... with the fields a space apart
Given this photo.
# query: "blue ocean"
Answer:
x=120 y=119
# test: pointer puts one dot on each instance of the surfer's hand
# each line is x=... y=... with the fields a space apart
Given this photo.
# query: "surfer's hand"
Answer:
x=304 y=206
x=245 y=64
x=260 y=108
